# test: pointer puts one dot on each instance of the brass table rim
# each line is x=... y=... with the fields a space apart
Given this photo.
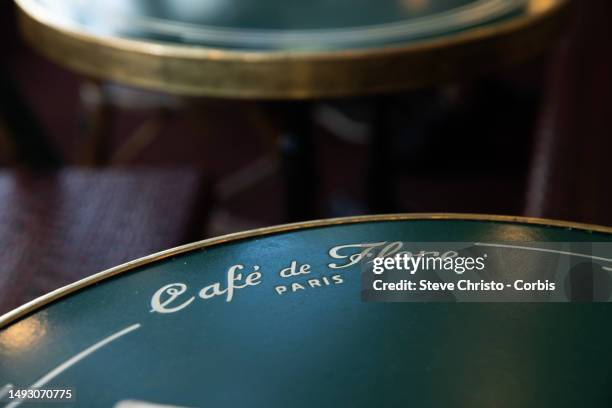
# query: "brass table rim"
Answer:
x=64 y=291
x=200 y=51
x=77 y=50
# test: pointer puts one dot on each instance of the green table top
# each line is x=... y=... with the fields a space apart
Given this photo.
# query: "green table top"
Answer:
x=278 y=25
x=131 y=336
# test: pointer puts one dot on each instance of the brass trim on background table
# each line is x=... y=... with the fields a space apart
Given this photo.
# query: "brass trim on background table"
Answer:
x=62 y=292
x=201 y=71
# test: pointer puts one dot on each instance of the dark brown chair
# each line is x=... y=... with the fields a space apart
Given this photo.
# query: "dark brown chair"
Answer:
x=58 y=228
x=572 y=175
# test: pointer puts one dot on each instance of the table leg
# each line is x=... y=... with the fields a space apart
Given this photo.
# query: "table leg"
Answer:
x=96 y=122
x=381 y=195
x=297 y=163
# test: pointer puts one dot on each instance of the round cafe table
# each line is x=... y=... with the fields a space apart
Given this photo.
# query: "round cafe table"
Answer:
x=290 y=50
x=168 y=330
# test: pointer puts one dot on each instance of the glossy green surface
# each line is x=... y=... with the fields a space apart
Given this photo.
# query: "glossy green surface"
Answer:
x=318 y=347
x=278 y=24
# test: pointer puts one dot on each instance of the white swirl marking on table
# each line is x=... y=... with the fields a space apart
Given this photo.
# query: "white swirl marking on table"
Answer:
x=74 y=360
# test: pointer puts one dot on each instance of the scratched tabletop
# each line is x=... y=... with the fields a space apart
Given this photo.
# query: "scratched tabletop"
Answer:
x=275 y=318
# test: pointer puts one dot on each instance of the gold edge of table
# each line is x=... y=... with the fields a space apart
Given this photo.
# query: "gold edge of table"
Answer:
x=62 y=292
x=200 y=71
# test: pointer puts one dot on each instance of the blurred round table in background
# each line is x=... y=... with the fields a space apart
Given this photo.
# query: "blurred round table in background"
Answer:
x=293 y=50
x=288 y=49
x=168 y=330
